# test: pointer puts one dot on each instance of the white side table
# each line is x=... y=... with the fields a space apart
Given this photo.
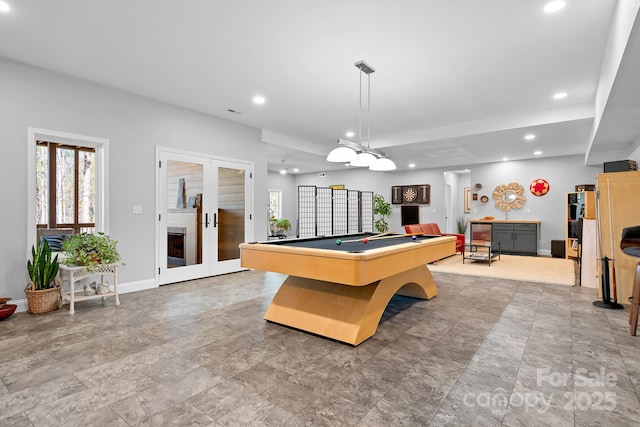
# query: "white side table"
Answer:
x=72 y=274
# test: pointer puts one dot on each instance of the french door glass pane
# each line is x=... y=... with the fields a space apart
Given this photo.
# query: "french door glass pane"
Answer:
x=65 y=186
x=184 y=213
x=86 y=187
x=231 y=203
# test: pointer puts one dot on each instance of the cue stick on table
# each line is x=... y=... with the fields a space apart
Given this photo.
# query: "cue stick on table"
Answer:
x=377 y=236
x=381 y=236
x=394 y=236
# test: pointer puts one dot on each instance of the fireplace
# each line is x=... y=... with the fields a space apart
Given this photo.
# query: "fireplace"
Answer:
x=176 y=246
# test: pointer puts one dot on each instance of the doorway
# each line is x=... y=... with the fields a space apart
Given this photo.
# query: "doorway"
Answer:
x=454 y=184
x=204 y=213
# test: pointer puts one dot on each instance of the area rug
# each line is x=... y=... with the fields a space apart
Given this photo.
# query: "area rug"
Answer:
x=526 y=268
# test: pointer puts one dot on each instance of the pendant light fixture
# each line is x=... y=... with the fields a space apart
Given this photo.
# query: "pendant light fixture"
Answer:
x=357 y=154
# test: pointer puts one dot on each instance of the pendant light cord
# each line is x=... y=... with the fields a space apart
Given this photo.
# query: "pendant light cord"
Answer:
x=360 y=113
x=368 y=109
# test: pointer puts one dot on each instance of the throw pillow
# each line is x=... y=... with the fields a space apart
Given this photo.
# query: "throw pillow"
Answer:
x=55 y=242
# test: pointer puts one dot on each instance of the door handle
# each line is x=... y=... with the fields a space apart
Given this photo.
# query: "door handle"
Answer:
x=206 y=220
x=215 y=220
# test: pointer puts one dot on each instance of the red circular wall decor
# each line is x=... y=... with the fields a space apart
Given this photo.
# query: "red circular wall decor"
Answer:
x=539 y=187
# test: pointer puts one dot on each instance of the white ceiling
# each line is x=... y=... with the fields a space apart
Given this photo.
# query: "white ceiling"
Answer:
x=456 y=82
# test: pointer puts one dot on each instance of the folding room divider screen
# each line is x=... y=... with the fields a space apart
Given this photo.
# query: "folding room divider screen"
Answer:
x=324 y=211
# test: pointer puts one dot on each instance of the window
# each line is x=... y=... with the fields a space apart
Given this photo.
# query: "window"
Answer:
x=65 y=186
x=275 y=204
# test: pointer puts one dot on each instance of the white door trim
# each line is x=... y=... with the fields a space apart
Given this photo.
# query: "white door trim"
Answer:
x=170 y=151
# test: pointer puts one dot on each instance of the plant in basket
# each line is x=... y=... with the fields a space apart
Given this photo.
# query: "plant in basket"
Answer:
x=43 y=293
x=90 y=250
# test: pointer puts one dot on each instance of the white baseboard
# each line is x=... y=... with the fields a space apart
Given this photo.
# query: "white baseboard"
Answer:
x=21 y=304
x=140 y=285
x=123 y=288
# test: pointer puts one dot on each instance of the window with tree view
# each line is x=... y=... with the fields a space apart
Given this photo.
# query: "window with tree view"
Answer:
x=275 y=204
x=65 y=186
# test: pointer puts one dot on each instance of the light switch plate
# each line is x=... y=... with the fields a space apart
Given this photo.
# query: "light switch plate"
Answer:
x=137 y=210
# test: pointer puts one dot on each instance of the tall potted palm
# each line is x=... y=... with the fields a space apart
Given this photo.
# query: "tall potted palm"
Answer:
x=382 y=209
x=43 y=293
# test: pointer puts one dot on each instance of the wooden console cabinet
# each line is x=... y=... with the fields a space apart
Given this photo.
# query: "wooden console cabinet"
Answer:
x=518 y=237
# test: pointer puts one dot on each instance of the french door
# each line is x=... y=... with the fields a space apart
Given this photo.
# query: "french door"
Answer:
x=204 y=213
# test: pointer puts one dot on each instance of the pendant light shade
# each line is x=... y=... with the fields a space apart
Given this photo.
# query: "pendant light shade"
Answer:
x=364 y=160
x=357 y=154
x=383 y=164
x=342 y=154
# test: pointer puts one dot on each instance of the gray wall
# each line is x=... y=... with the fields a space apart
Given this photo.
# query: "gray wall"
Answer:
x=32 y=97
x=635 y=155
x=380 y=182
x=562 y=173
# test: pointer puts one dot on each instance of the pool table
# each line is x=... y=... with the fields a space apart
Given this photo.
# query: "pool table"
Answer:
x=340 y=291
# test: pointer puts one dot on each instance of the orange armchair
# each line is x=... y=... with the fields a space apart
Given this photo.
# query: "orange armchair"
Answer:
x=433 y=229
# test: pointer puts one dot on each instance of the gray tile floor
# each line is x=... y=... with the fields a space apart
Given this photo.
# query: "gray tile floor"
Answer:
x=483 y=352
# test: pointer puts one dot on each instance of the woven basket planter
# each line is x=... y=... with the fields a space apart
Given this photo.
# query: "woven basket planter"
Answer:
x=42 y=301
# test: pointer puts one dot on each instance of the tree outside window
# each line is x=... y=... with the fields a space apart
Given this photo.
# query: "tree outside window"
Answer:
x=65 y=187
x=275 y=204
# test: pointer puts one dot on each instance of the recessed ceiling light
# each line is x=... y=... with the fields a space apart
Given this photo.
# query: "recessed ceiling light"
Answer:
x=349 y=134
x=504 y=159
x=560 y=95
x=537 y=153
x=259 y=100
x=529 y=137
x=412 y=165
x=554 y=6
x=347 y=164
x=283 y=171
x=4 y=7
x=296 y=170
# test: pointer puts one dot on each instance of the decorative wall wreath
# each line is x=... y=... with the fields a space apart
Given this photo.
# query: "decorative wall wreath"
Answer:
x=510 y=196
x=539 y=187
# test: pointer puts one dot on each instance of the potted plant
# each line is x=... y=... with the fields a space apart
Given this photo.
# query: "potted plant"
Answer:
x=279 y=226
x=382 y=208
x=43 y=293
x=90 y=250
x=461 y=223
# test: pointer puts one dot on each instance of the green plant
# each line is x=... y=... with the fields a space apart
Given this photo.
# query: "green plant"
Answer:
x=383 y=209
x=461 y=223
x=42 y=268
x=279 y=225
x=283 y=224
x=91 y=250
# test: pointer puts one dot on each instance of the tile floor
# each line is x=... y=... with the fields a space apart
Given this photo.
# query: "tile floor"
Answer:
x=484 y=352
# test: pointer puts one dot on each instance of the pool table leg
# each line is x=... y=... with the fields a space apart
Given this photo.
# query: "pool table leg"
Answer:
x=345 y=313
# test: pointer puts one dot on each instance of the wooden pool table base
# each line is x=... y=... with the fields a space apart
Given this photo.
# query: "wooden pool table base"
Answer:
x=350 y=314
